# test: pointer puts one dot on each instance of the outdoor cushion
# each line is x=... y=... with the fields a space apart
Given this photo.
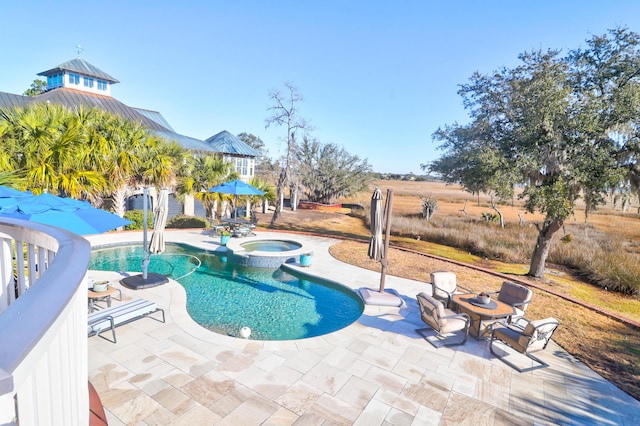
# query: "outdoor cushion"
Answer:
x=515 y=295
x=441 y=319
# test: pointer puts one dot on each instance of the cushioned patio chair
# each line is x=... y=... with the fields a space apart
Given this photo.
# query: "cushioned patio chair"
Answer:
x=524 y=337
x=517 y=296
x=445 y=286
x=442 y=320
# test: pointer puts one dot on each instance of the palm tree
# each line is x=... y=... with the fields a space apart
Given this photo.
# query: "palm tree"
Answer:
x=264 y=186
x=201 y=173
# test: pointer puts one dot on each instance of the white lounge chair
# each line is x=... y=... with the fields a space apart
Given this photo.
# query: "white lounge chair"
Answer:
x=118 y=315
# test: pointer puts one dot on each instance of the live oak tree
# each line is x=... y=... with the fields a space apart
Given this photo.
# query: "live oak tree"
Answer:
x=565 y=127
x=37 y=87
x=329 y=172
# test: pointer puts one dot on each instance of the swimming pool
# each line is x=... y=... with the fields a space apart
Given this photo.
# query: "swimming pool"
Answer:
x=224 y=297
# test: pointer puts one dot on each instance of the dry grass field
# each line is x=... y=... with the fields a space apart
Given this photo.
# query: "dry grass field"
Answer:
x=608 y=346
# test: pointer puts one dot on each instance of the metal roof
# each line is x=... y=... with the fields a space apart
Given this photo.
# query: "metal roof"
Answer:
x=9 y=100
x=71 y=98
x=227 y=143
x=185 y=141
x=155 y=116
x=80 y=66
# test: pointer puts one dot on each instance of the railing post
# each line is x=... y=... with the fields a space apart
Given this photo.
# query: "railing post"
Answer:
x=7 y=401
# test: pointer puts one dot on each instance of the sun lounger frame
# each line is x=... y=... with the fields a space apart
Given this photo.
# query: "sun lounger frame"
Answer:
x=119 y=315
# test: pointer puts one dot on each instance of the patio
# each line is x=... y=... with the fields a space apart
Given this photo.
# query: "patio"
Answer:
x=377 y=370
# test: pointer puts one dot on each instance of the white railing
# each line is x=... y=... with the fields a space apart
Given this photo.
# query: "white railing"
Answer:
x=43 y=320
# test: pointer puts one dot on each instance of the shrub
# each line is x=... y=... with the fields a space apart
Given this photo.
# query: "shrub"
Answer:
x=187 y=222
x=490 y=217
x=137 y=217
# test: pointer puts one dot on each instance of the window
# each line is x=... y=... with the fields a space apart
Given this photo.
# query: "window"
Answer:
x=102 y=85
x=88 y=82
x=74 y=79
x=54 y=81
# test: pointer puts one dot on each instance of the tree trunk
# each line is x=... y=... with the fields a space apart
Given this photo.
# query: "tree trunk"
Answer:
x=541 y=251
x=120 y=200
x=493 y=206
x=280 y=197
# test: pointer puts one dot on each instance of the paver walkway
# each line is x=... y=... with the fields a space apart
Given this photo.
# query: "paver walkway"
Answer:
x=376 y=371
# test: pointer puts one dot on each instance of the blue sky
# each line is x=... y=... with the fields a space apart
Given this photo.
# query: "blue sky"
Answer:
x=378 y=77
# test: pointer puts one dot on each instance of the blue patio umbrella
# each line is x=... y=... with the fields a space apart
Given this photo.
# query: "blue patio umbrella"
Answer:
x=76 y=216
x=236 y=187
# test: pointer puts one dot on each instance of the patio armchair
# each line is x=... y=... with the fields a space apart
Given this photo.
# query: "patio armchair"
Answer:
x=517 y=296
x=445 y=286
x=442 y=320
x=524 y=337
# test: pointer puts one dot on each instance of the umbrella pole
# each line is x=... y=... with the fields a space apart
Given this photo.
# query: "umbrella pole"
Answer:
x=145 y=246
x=387 y=232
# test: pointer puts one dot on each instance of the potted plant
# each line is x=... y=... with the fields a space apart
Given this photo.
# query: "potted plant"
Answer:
x=225 y=236
x=484 y=298
x=305 y=259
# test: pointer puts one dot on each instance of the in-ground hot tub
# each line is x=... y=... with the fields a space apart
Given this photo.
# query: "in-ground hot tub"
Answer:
x=265 y=253
x=271 y=245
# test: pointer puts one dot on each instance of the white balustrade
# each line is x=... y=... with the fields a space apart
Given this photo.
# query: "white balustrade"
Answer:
x=43 y=320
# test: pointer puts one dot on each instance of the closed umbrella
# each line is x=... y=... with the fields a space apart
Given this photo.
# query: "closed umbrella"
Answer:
x=156 y=245
x=375 y=244
x=236 y=187
x=73 y=215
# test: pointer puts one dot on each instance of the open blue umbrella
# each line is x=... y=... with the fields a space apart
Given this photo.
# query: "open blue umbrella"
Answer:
x=236 y=187
x=76 y=216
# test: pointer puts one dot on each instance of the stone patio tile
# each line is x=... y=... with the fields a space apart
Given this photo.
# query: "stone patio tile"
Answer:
x=462 y=410
x=358 y=368
x=181 y=357
x=409 y=371
x=326 y=378
x=109 y=375
x=424 y=394
x=492 y=394
x=177 y=378
x=381 y=357
x=357 y=392
x=209 y=388
x=282 y=417
x=161 y=416
x=398 y=402
x=334 y=410
x=299 y=397
x=398 y=418
x=301 y=361
x=197 y=416
x=174 y=400
x=386 y=379
x=232 y=400
x=427 y=417
x=233 y=364
x=270 y=384
x=254 y=411
x=341 y=357
x=136 y=409
x=373 y=414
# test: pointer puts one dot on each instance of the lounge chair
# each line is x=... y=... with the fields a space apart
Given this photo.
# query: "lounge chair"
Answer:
x=445 y=286
x=442 y=320
x=524 y=337
x=118 y=315
x=517 y=296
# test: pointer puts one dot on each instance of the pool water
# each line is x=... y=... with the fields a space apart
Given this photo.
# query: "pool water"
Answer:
x=224 y=297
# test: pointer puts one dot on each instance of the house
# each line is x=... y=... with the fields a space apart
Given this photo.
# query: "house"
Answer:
x=77 y=82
